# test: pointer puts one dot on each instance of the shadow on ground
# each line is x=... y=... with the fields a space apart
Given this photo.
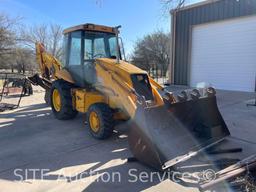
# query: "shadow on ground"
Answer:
x=32 y=139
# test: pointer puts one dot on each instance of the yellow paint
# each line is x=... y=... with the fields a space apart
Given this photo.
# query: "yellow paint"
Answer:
x=84 y=99
x=48 y=64
x=122 y=66
x=56 y=99
x=155 y=84
x=117 y=77
x=65 y=75
x=94 y=121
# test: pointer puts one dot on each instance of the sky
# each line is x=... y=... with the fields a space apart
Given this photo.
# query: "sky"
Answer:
x=137 y=17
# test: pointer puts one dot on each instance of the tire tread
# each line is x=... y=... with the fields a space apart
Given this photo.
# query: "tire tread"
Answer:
x=67 y=111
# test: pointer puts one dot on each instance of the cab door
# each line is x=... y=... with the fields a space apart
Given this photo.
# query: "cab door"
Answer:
x=74 y=58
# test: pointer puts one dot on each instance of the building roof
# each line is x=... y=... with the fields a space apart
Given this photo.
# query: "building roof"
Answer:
x=190 y=6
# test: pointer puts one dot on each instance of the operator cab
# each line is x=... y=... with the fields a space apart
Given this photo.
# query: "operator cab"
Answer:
x=85 y=43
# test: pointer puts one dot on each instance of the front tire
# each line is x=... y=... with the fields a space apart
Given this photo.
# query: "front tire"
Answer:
x=61 y=100
x=100 y=121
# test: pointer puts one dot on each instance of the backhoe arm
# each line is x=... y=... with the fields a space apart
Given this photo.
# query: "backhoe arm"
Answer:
x=48 y=64
x=49 y=68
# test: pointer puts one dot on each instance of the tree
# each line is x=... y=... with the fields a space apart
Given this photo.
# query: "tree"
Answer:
x=7 y=34
x=17 y=50
x=25 y=60
x=7 y=38
x=173 y=4
x=49 y=35
x=152 y=52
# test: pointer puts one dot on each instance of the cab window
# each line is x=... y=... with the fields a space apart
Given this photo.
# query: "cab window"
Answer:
x=112 y=46
x=99 y=47
x=75 y=48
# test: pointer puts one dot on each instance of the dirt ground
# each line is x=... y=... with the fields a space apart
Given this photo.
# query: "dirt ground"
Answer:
x=52 y=155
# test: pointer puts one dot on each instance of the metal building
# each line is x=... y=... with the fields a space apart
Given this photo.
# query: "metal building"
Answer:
x=215 y=41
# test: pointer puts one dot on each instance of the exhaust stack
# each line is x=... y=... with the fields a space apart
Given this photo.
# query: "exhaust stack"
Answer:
x=117 y=44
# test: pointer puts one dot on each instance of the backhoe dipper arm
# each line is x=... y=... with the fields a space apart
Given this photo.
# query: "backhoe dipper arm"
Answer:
x=48 y=64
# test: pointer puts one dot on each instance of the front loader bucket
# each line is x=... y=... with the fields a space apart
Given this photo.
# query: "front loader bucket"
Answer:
x=162 y=136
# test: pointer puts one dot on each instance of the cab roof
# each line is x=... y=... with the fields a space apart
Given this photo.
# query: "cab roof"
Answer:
x=90 y=27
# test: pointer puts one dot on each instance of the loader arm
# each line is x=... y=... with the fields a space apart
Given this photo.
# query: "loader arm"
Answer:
x=114 y=81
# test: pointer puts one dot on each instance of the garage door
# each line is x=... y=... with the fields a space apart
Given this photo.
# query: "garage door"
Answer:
x=224 y=54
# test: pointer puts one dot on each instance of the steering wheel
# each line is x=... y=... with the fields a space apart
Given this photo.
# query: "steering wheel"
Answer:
x=88 y=54
x=100 y=55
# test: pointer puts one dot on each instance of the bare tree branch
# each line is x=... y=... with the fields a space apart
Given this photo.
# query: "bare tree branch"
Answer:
x=168 y=5
x=173 y=4
x=17 y=49
x=7 y=32
x=8 y=41
x=49 y=35
x=152 y=52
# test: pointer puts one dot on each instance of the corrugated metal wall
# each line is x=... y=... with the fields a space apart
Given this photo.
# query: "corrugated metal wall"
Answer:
x=219 y=10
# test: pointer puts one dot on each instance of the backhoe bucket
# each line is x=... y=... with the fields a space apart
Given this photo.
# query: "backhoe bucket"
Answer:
x=161 y=137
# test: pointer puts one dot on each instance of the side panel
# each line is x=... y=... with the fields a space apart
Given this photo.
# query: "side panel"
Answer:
x=83 y=99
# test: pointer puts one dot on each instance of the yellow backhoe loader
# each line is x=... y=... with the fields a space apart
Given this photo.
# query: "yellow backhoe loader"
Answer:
x=164 y=130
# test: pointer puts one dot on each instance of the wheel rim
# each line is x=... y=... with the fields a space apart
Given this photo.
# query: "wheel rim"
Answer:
x=56 y=99
x=94 y=121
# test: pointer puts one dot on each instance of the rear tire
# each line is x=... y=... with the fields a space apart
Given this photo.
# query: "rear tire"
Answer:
x=65 y=110
x=105 y=120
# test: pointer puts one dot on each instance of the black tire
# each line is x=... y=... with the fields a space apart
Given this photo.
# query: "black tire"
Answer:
x=105 y=114
x=66 y=112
